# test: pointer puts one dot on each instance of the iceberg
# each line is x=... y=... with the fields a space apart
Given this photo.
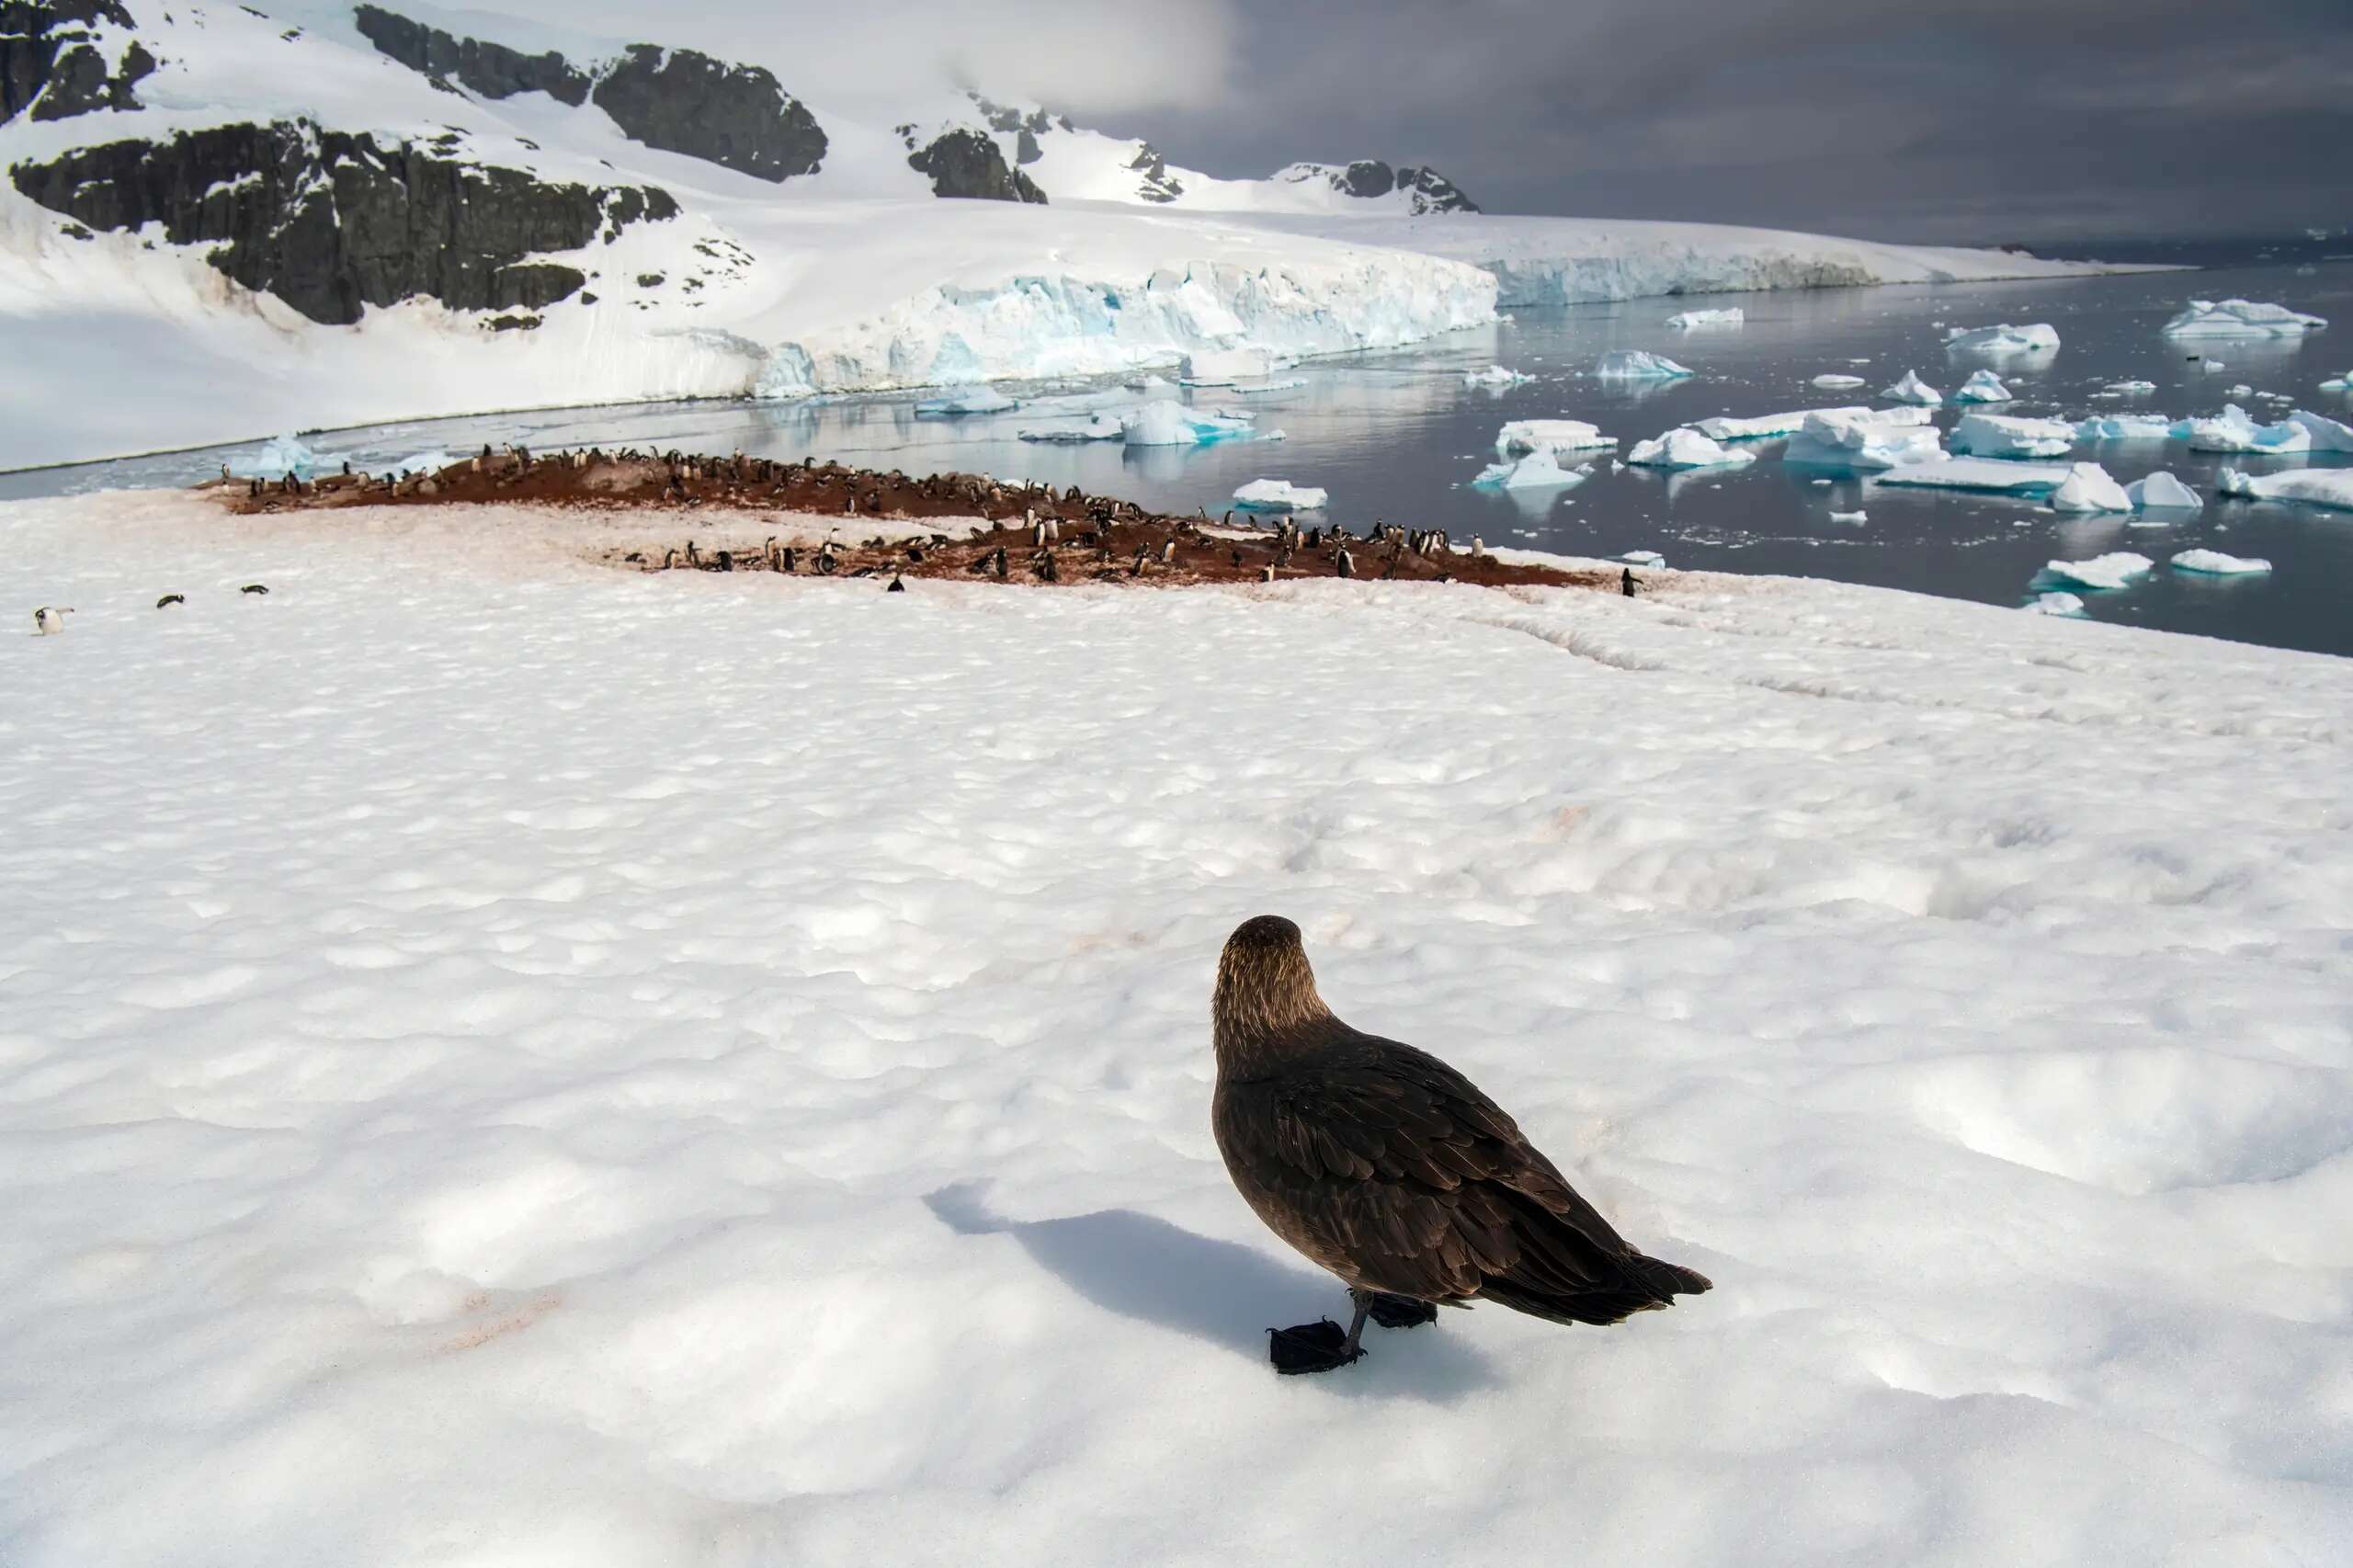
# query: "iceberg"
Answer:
x=2112 y=571
x=2040 y=338
x=1850 y=516
x=2056 y=602
x=1732 y=317
x=1549 y=435
x=2214 y=563
x=1686 y=447
x=1912 y=389
x=1173 y=425
x=2089 y=488
x=1537 y=471
x=1493 y=376
x=1833 y=383
x=2125 y=428
x=1642 y=558
x=2239 y=318
x=2160 y=492
x=1223 y=367
x=1100 y=427
x=1279 y=496
x=1873 y=438
x=1638 y=364
x=2130 y=387
x=1726 y=427
x=2325 y=433
x=980 y=400
x=284 y=457
x=1998 y=436
x=2338 y=383
x=2233 y=431
x=1983 y=386
x=1939 y=471
x=2331 y=487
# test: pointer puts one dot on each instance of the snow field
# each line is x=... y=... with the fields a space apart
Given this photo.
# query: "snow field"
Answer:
x=509 y=1061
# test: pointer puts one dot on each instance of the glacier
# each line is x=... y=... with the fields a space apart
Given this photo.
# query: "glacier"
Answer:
x=2240 y=318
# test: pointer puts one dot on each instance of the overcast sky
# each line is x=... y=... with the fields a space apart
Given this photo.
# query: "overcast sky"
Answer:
x=1988 y=120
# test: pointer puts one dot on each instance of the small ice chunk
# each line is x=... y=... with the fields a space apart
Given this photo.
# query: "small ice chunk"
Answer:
x=1833 y=383
x=2214 y=563
x=2125 y=428
x=2239 y=318
x=2160 y=492
x=2242 y=389
x=1522 y=436
x=980 y=400
x=1493 y=376
x=2089 y=488
x=1983 y=386
x=2057 y=602
x=1912 y=389
x=1732 y=317
x=2001 y=436
x=1536 y=470
x=2115 y=570
x=2130 y=387
x=1279 y=496
x=2331 y=487
x=2233 y=431
x=1638 y=364
x=1686 y=447
x=2038 y=338
x=1849 y=517
x=1642 y=558
x=2338 y=383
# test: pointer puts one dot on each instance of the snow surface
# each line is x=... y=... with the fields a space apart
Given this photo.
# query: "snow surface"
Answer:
x=1279 y=496
x=1536 y=470
x=2331 y=487
x=1521 y=436
x=2106 y=573
x=1732 y=316
x=1638 y=364
x=1686 y=447
x=2233 y=430
x=2238 y=318
x=488 y=1083
x=1912 y=389
x=2214 y=563
x=1983 y=386
x=2160 y=492
x=2008 y=436
x=1834 y=382
x=2038 y=338
x=2091 y=488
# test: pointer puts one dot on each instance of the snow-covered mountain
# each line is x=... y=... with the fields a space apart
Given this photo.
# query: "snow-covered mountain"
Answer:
x=233 y=217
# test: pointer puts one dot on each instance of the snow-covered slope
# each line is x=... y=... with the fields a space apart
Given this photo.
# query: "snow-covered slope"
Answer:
x=517 y=1064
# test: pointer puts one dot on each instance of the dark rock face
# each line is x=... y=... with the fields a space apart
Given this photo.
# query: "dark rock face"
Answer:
x=52 y=62
x=1367 y=177
x=331 y=222
x=1024 y=128
x=968 y=164
x=1433 y=192
x=1156 y=184
x=492 y=70
x=737 y=116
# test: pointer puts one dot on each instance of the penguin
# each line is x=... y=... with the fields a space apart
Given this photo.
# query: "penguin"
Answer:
x=1346 y=566
x=767 y=552
x=224 y=471
x=1137 y=570
x=694 y=556
x=726 y=561
x=1048 y=570
x=896 y=587
x=1037 y=535
x=669 y=560
x=788 y=561
x=256 y=589
x=1236 y=556
x=1053 y=530
x=1626 y=582
x=1266 y=574
x=1478 y=547
x=48 y=622
x=997 y=564
x=1315 y=538
x=171 y=599
x=1168 y=553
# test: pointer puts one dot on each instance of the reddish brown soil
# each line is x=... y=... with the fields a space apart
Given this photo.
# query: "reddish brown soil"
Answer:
x=1099 y=537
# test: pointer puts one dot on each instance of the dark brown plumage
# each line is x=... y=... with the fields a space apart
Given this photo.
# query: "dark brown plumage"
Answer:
x=1388 y=1168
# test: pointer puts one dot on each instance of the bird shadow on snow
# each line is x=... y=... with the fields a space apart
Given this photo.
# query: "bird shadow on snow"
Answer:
x=1158 y=1273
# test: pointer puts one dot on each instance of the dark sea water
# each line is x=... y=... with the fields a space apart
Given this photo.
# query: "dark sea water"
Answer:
x=1398 y=437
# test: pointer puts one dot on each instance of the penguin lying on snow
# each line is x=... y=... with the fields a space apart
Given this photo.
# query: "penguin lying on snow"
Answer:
x=254 y=589
x=48 y=622
x=171 y=599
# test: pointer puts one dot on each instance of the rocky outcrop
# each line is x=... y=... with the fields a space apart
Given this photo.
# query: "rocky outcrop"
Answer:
x=1157 y=184
x=737 y=116
x=332 y=223
x=492 y=70
x=54 y=59
x=971 y=164
x=1433 y=192
x=1427 y=189
x=1024 y=127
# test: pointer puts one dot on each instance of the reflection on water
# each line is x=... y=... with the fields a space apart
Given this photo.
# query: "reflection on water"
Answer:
x=1398 y=438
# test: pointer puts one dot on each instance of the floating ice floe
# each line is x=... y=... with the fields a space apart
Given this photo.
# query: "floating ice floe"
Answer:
x=2327 y=435
x=1642 y=558
x=1983 y=386
x=2056 y=602
x=2214 y=563
x=1100 y=427
x=2242 y=389
x=1166 y=423
x=2331 y=487
x=1223 y=367
x=1549 y=435
x=1493 y=376
x=1938 y=471
x=1912 y=389
x=2210 y=365
x=2038 y=338
x=2130 y=387
x=1726 y=427
x=2089 y=488
x=1732 y=317
x=980 y=399
x=1279 y=496
x=1638 y=365
x=2240 y=318
x=1686 y=447
x=1537 y=471
x=1285 y=384
x=2004 y=435
x=2115 y=570
x=1834 y=382
x=2233 y=431
x=2338 y=383
x=284 y=457
x=2160 y=492
x=2125 y=428
x=1873 y=439
x=1849 y=517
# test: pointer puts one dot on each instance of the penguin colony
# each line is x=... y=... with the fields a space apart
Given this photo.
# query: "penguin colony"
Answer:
x=1029 y=533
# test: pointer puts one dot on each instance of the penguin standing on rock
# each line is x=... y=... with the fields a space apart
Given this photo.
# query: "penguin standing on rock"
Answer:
x=48 y=622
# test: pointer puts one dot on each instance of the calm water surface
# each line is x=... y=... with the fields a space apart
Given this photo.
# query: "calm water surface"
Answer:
x=1398 y=437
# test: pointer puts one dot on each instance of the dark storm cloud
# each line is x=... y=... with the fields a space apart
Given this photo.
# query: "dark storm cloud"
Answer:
x=1992 y=119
